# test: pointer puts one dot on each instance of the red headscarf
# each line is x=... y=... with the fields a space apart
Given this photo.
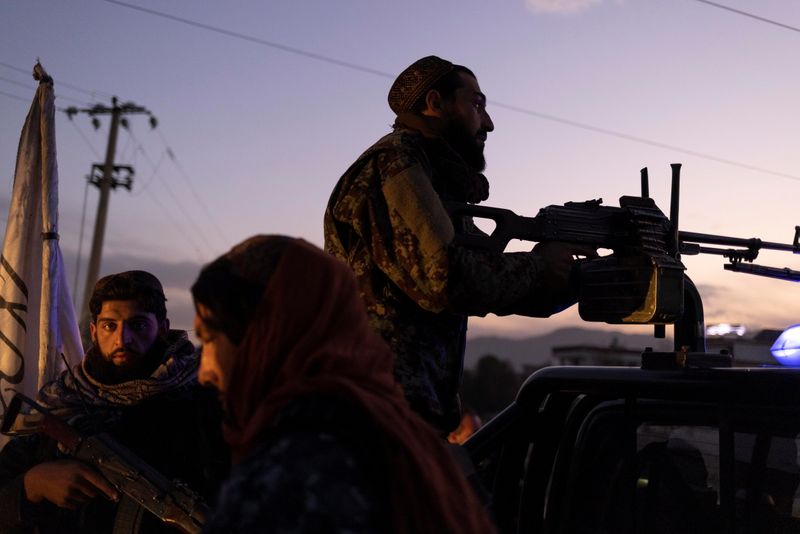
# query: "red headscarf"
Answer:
x=310 y=335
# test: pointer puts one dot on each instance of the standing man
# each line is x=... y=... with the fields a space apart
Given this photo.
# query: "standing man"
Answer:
x=138 y=383
x=386 y=219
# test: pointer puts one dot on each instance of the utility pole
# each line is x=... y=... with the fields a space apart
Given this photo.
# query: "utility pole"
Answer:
x=108 y=180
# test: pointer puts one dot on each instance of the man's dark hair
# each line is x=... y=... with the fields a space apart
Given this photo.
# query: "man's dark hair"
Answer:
x=138 y=286
x=446 y=86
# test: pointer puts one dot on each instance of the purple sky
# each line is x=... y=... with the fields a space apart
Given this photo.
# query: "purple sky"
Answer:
x=261 y=130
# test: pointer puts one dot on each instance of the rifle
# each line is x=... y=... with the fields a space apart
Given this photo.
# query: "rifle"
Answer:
x=171 y=501
x=642 y=281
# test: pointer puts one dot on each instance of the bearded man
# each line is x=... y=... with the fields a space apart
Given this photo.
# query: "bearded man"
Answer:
x=138 y=383
x=386 y=219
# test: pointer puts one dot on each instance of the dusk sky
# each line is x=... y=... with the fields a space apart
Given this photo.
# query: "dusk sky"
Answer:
x=261 y=106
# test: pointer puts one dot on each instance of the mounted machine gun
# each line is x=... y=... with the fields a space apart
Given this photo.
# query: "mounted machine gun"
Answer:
x=643 y=280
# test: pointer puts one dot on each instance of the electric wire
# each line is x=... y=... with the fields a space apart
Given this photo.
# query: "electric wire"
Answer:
x=16 y=97
x=750 y=15
x=636 y=139
x=517 y=109
x=32 y=87
x=144 y=187
x=90 y=92
x=177 y=164
x=257 y=40
x=200 y=257
x=86 y=139
x=187 y=217
x=25 y=99
x=175 y=199
x=185 y=176
x=128 y=144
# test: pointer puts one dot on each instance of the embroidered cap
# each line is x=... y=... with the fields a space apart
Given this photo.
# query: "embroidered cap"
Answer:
x=415 y=81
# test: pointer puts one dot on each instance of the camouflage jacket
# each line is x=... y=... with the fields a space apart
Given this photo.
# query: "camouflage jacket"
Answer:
x=385 y=218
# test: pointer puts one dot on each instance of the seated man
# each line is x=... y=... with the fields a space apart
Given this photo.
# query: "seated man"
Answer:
x=138 y=383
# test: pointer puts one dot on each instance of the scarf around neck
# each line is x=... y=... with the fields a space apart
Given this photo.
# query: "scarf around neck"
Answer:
x=77 y=387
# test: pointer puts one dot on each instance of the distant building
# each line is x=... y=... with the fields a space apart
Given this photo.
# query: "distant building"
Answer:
x=594 y=355
x=747 y=351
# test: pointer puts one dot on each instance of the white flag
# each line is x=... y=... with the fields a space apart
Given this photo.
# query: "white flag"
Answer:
x=37 y=319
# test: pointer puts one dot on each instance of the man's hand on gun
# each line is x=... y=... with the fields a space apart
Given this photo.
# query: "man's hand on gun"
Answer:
x=67 y=484
x=559 y=259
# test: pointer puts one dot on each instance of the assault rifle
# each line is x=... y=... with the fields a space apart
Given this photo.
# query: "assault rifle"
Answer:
x=141 y=484
x=642 y=281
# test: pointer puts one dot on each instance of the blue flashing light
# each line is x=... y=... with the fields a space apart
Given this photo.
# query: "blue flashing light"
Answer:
x=786 y=348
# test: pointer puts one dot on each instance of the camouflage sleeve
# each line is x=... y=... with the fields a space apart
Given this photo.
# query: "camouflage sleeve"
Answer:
x=438 y=275
x=390 y=207
x=421 y=232
x=504 y=283
x=393 y=209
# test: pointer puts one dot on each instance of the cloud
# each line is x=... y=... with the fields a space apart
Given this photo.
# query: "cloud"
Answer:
x=560 y=6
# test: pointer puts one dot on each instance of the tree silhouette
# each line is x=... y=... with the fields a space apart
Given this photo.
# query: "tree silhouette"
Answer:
x=490 y=387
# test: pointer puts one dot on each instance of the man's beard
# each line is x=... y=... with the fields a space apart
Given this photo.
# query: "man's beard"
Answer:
x=104 y=371
x=465 y=144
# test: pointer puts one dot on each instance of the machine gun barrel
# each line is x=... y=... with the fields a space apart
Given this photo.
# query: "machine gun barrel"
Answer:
x=691 y=243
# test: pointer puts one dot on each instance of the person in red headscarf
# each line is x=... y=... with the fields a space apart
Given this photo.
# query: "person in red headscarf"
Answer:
x=322 y=437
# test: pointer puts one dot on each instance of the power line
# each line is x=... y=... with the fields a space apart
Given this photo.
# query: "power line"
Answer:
x=143 y=187
x=171 y=154
x=257 y=40
x=517 y=109
x=15 y=82
x=155 y=168
x=750 y=15
x=124 y=152
x=86 y=139
x=83 y=136
x=175 y=223
x=15 y=97
x=58 y=82
x=33 y=88
x=186 y=179
x=175 y=199
x=643 y=141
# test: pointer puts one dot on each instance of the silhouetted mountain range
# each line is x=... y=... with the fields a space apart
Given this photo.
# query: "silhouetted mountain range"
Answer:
x=536 y=350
